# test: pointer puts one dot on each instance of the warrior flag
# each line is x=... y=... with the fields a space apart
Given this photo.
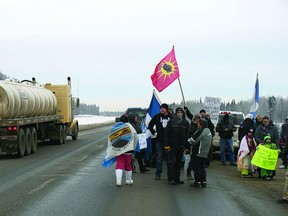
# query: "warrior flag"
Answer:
x=165 y=72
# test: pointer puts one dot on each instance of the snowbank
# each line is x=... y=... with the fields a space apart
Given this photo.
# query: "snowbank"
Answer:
x=93 y=121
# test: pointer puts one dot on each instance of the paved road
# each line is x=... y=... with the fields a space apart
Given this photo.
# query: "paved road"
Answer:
x=69 y=180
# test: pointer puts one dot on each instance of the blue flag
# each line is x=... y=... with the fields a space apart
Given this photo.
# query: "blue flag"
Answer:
x=255 y=103
x=153 y=109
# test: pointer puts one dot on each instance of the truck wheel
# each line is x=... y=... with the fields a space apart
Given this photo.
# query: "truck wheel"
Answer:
x=33 y=140
x=21 y=143
x=75 y=134
x=27 y=142
x=64 y=134
x=60 y=140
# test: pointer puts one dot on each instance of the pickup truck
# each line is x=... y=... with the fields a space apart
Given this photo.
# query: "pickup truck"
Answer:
x=141 y=112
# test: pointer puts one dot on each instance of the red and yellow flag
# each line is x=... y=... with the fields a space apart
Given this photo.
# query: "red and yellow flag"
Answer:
x=165 y=72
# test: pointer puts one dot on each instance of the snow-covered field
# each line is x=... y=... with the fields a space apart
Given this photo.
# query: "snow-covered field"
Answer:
x=90 y=121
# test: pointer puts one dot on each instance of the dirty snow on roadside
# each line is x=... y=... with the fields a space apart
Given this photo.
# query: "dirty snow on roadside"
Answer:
x=92 y=119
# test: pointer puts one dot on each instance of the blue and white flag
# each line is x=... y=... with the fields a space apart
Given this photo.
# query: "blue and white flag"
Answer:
x=255 y=104
x=153 y=109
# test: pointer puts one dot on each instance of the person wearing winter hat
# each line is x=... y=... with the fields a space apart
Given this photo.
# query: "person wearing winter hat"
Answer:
x=245 y=154
x=245 y=126
x=201 y=143
x=176 y=135
x=157 y=127
x=264 y=173
x=211 y=127
x=192 y=129
x=225 y=128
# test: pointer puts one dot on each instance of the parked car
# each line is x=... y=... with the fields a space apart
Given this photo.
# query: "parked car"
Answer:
x=141 y=112
x=236 y=118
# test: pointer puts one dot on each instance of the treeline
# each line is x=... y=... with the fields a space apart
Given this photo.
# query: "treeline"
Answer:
x=93 y=109
x=274 y=107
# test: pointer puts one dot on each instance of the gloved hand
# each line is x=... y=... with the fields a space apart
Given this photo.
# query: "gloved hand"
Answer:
x=190 y=140
x=279 y=150
x=154 y=135
x=185 y=108
x=167 y=148
x=257 y=147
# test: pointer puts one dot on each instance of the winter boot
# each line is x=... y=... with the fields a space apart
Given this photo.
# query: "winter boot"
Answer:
x=118 y=173
x=203 y=179
x=128 y=175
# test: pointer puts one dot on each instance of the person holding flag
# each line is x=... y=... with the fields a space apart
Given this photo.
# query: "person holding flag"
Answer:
x=157 y=127
x=176 y=136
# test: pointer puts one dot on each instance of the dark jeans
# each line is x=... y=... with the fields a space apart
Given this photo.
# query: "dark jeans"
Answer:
x=159 y=157
x=284 y=155
x=174 y=162
x=198 y=166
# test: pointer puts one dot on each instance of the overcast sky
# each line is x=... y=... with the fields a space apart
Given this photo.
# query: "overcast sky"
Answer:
x=110 y=48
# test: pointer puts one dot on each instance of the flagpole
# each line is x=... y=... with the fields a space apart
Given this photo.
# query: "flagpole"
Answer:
x=181 y=90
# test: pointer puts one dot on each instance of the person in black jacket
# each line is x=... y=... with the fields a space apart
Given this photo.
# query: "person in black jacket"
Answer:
x=159 y=121
x=225 y=128
x=247 y=125
x=176 y=135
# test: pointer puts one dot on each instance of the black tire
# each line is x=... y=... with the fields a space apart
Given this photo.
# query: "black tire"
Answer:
x=21 y=143
x=64 y=134
x=27 y=142
x=59 y=141
x=75 y=134
x=33 y=140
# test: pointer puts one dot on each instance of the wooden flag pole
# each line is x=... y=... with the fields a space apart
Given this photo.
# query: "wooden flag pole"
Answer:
x=181 y=90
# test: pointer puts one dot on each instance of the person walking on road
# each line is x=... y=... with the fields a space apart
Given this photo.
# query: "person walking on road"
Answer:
x=201 y=143
x=159 y=121
x=225 y=128
x=124 y=160
x=176 y=135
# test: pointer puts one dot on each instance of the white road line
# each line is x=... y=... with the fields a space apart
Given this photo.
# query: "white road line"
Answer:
x=41 y=186
x=83 y=158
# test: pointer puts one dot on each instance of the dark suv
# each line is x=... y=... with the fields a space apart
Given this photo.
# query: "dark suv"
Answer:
x=141 y=112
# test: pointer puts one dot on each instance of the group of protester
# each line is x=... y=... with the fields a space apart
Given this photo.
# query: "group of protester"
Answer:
x=253 y=136
x=175 y=136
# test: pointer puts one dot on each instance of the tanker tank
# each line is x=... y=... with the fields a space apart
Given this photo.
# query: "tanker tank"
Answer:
x=25 y=99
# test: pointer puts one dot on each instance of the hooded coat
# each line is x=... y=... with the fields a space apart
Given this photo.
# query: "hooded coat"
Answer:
x=225 y=128
x=201 y=141
x=176 y=132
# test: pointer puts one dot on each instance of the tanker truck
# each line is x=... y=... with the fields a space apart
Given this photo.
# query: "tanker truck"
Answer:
x=31 y=112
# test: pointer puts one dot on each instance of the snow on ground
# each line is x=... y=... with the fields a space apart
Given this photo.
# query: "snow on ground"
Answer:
x=91 y=121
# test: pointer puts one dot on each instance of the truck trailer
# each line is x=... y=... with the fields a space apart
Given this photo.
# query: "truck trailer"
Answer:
x=31 y=112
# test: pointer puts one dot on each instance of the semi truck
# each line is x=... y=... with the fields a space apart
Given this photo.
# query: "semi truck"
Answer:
x=31 y=112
